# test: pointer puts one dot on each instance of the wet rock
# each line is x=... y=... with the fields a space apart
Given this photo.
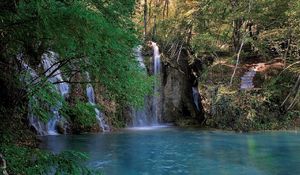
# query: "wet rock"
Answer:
x=177 y=97
x=61 y=127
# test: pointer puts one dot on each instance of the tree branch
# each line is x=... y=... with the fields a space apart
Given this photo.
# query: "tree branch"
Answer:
x=237 y=63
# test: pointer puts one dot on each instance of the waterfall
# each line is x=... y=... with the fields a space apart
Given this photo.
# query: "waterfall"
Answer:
x=52 y=71
x=139 y=56
x=54 y=76
x=139 y=116
x=156 y=72
x=148 y=115
x=196 y=96
x=247 y=79
x=156 y=57
x=38 y=126
x=91 y=98
x=34 y=122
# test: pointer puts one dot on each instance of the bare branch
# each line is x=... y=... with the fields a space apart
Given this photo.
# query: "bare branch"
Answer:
x=237 y=63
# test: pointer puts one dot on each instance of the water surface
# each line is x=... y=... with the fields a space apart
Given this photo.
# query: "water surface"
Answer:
x=185 y=151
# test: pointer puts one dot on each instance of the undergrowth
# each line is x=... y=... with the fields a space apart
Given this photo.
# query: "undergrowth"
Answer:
x=31 y=161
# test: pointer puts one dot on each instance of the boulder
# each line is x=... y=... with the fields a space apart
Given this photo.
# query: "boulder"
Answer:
x=3 y=165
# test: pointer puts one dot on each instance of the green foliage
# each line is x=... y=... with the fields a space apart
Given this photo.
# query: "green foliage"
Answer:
x=247 y=110
x=90 y=32
x=94 y=36
x=205 y=26
x=278 y=88
x=82 y=114
x=268 y=29
x=118 y=120
x=293 y=114
x=42 y=98
x=22 y=160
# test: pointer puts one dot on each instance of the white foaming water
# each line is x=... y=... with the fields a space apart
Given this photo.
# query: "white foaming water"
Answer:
x=52 y=123
x=49 y=61
x=139 y=117
x=91 y=98
x=90 y=93
x=156 y=57
x=154 y=127
x=155 y=107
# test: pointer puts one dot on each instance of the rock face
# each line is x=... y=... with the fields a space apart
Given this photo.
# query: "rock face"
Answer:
x=177 y=92
x=174 y=96
x=3 y=165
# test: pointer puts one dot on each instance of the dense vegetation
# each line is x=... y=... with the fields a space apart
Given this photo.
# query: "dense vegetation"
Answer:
x=228 y=37
x=89 y=36
x=224 y=38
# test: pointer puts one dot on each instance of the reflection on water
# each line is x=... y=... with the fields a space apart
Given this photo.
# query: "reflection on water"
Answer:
x=178 y=151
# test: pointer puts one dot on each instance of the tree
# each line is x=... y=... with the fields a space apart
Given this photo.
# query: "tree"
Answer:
x=95 y=36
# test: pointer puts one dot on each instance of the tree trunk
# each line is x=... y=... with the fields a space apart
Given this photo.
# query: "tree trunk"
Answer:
x=166 y=9
x=237 y=63
x=237 y=24
x=154 y=29
x=236 y=37
x=145 y=18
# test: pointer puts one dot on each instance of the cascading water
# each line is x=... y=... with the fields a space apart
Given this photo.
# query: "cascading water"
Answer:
x=54 y=76
x=53 y=73
x=156 y=72
x=91 y=98
x=49 y=62
x=33 y=77
x=196 y=96
x=139 y=116
x=139 y=56
x=148 y=115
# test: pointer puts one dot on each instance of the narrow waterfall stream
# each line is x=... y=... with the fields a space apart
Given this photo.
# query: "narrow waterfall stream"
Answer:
x=156 y=72
x=91 y=98
x=196 y=97
x=247 y=79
